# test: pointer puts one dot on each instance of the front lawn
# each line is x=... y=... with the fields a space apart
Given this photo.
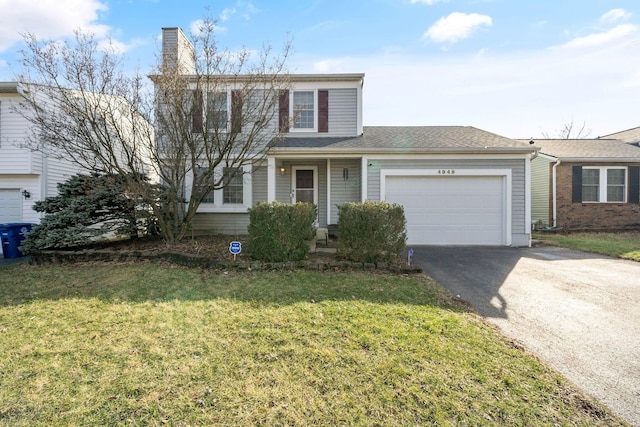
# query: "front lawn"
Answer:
x=144 y=344
x=623 y=245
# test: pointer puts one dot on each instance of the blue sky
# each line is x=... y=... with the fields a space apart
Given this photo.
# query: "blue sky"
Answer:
x=514 y=67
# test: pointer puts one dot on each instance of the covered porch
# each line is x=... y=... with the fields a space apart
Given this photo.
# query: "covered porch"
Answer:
x=326 y=182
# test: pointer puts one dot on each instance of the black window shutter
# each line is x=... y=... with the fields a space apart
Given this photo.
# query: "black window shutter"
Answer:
x=323 y=111
x=634 y=184
x=576 y=190
x=196 y=112
x=283 y=116
x=236 y=112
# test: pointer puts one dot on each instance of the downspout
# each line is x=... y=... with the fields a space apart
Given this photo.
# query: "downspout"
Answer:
x=554 y=192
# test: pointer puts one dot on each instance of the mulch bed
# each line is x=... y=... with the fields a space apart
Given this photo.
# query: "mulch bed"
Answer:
x=206 y=252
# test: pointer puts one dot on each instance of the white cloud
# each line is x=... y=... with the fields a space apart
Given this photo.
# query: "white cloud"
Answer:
x=116 y=46
x=456 y=26
x=617 y=33
x=227 y=13
x=49 y=19
x=196 y=27
x=517 y=95
x=248 y=9
x=429 y=2
x=615 y=15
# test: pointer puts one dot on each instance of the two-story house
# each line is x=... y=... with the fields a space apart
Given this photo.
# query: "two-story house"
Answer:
x=25 y=176
x=458 y=184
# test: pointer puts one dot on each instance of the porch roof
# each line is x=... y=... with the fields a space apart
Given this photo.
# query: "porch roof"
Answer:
x=407 y=139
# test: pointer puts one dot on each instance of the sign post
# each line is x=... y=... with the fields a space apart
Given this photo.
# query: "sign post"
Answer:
x=409 y=255
x=235 y=248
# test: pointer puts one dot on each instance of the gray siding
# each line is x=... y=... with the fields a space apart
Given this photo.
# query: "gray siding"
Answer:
x=220 y=223
x=519 y=228
x=343 y=112
x=540 y=179
x=342 y=190
x=259 y=182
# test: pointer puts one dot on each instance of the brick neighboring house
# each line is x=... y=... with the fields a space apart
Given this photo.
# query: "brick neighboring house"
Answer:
x=588 y=184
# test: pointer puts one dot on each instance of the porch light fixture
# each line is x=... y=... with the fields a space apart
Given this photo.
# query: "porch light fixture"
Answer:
x=282 y=170
x=26 y=194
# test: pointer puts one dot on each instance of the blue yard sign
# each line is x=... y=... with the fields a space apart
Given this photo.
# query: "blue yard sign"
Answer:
x=235 y=248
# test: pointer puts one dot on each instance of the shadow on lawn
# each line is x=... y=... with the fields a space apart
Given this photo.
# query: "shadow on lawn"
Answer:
x=146 y=282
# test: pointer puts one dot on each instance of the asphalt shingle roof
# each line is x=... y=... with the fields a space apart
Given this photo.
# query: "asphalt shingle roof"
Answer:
x=411 y=138
x=629 y=135
x=588 y=149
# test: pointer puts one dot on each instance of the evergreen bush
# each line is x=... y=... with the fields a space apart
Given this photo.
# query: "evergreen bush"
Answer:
x=88 y=207
x=279 y=232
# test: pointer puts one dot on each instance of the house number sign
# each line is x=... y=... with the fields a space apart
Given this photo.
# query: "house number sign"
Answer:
x=446 y=171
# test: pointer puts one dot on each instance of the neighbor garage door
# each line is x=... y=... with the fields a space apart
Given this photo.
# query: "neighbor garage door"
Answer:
x=10 y=206
x=461 y=210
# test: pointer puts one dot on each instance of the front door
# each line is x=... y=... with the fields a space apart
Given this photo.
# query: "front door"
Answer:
x=304 y=190
x=305 y=184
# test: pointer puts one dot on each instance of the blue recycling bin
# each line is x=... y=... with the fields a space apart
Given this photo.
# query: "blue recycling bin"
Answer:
x=12 y=235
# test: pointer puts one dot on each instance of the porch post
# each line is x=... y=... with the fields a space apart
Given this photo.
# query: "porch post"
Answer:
x=328 y=191
x=365 y=173
x=271 y=179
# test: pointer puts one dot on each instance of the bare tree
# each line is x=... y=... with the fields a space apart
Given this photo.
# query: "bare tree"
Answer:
x=207 y=120
x=570 y=131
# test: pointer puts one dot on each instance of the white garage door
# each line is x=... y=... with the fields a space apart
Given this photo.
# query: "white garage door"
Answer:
x=10 y=206
x=461 y=210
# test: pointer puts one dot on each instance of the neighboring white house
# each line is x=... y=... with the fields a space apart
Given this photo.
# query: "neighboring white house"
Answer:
x=29 y=175
x=25 y=176
x=458 y=184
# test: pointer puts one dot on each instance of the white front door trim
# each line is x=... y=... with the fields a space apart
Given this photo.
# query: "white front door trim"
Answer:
x=295 y=170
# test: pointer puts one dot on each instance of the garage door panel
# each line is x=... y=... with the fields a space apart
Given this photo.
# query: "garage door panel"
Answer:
x=450 y=210
x=10 y=206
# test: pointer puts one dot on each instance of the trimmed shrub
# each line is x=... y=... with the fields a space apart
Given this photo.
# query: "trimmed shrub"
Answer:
x=279 y=232
x=371 y=231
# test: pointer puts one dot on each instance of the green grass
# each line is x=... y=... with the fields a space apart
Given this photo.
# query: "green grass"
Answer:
x=623 y=245
x=144 y=344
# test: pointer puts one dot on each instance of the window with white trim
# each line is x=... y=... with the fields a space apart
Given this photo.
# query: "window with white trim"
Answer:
x=304 y=110
x=209 y=197
x=233 y=197
x=604 y=184
x=218 y=110
x=233 y=191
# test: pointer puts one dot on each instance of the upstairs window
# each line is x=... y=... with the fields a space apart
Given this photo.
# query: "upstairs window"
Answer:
x=304 y=110
x=217 y=110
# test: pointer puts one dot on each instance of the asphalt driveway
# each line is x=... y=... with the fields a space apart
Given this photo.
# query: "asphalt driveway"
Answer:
x=579 y=312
